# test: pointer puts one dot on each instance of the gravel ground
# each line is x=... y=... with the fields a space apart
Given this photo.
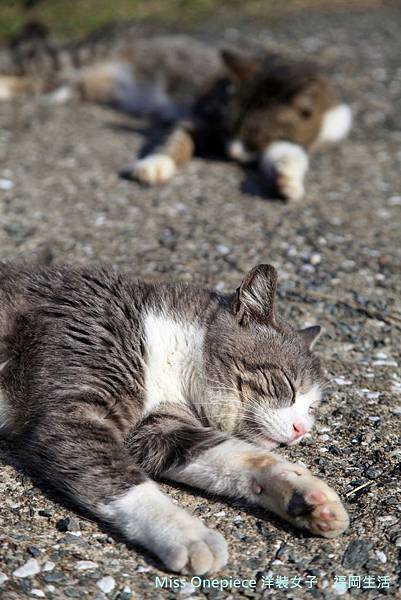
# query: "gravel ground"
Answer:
x=338 y=255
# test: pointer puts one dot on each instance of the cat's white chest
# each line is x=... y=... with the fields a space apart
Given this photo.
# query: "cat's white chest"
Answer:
x=173 y=361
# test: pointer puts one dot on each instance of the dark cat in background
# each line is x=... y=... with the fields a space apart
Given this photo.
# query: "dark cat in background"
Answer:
x=257 y=106
x=107 y=383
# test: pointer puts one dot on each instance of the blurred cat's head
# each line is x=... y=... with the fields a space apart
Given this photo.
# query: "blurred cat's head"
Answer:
x=264 y=377
x=272 y=99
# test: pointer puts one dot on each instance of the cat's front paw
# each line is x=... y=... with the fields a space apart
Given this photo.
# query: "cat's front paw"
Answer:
x=154 y=169
x=290 y=187
x=304 y=500
x=285 y=165
x=198 y=551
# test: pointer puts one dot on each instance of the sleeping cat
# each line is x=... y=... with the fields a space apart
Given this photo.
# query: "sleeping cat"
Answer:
x=109 y=383
x=256 y=106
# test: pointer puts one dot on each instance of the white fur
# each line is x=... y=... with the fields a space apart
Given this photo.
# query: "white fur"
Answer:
x=278 y=423
x=155 y=168
x=61 y=95
x=288 y=162
x=6 y=89
x=146 y=516
x=336 y=124
x=173 y=361
x=218 y=470
x=6 y=417
x=236 y=150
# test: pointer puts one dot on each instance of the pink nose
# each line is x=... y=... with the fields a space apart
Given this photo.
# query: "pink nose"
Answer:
x=298 y=430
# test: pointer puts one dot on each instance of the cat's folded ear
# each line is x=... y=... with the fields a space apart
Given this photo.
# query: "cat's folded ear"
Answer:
x=256 y=295
x=240 y=66
x=310 y=335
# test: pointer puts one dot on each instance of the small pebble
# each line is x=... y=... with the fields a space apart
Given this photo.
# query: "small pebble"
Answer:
x=30 y=568
x=126 y=594
x=34 y=551
x=381 y=556
x=106 y=584
x=38 y=593
x=48 y=566
x=6 y=184
x=342 y=381
x=67 y=524
x=143 y=569
x=168 y=238
x=187 y=589
x=3 y=576
x=356 y=554
x=315 y=258
x=86 y=564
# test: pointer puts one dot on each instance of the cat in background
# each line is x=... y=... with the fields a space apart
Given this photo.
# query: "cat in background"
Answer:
x=256 y=106
x=108 y=383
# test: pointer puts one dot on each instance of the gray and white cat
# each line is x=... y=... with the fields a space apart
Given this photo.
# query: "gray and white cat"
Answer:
x=255 y=106
x=109 y=383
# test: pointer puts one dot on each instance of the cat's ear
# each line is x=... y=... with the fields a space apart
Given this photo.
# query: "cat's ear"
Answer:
x=310 y=335
x=256 y=295
x=240 y=66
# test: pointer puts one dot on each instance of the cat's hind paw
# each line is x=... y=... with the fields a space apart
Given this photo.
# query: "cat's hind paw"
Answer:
x=154 y=169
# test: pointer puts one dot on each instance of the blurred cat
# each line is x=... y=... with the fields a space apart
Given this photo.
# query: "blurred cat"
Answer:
x=256 y=105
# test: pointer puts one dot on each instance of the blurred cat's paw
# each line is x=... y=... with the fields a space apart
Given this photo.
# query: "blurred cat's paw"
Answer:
x=154 y=169
x=285 y=164
x=290 y=187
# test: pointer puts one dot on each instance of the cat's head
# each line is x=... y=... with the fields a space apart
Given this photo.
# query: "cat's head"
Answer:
x=272 y=99
x=263 y=374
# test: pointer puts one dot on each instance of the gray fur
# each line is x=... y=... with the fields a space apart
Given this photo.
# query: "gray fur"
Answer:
x=75 y=358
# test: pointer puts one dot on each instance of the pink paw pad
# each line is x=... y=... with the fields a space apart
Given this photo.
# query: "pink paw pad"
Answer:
x=327 y=515
x=317 y=497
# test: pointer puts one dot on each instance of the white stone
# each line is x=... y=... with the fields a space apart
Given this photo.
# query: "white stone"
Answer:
x=342 y=381
x=6 y=184
x=86 y=564
x=106 y=584
x=48 y=566
x=187 y=589
x=3 y=577
x=38 y=593
x=30 y=568
x=381 y=556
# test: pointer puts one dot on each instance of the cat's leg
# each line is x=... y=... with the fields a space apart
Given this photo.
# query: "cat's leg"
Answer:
x=12 y=86
x=160 y=166
x=286 y=164
x=179 y=450
x=85 y=460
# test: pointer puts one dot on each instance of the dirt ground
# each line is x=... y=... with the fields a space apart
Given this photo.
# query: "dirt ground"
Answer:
x=338 y=256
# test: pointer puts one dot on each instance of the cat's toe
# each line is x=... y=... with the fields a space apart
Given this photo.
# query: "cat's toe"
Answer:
x=207 y=555
x=154 y=169
x=197 y=554
x=290 y=188
x=329 y=519
x=318 y=509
